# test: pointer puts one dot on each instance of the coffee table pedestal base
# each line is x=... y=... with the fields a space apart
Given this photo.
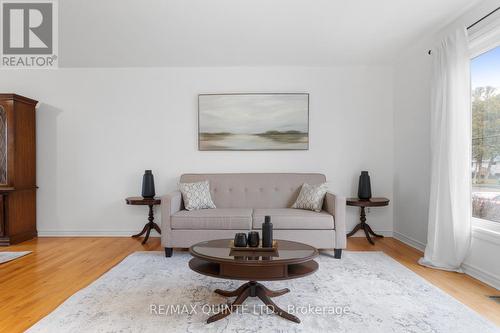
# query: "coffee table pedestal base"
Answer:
x=253 y=289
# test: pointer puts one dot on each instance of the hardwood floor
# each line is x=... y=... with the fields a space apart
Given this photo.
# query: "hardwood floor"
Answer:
x=33 y=286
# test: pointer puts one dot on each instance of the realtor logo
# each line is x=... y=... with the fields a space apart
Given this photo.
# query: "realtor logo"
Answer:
x=29 y=34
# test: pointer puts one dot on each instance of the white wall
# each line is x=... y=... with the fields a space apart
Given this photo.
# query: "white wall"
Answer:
x=412 y=146
x=412 y=77
x=98 y=129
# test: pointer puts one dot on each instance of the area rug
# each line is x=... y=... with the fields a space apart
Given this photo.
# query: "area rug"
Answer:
x=9 y=256
x=362 y=292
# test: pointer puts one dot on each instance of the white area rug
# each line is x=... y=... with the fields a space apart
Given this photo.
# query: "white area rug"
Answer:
x=380 y=295
x=8 y=256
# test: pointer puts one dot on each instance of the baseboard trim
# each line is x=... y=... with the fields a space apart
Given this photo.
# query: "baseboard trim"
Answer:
x=482 y=275
x=470 y=270
x=385 y=233
x=409 y=241
x=128 y=233
x=91 y=233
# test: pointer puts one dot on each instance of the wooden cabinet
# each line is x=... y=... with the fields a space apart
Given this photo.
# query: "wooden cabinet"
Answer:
x=17 y=169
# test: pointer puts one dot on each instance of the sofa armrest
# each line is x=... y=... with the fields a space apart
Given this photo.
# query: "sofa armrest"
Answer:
x=170 y=204
x=336 y=205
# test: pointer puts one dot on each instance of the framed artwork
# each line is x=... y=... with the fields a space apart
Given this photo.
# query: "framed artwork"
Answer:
x=257 y=121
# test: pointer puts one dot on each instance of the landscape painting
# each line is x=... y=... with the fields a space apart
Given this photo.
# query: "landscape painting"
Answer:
x=253 y=121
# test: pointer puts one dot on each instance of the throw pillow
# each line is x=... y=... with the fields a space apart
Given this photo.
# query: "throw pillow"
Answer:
x=196 y=195
x=311 y=197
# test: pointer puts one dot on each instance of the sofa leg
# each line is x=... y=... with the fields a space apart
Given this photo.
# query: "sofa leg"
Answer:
x=337 y=253
x=168 y=251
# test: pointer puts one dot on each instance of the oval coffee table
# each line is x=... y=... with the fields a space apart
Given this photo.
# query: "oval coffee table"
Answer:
x=291 y=260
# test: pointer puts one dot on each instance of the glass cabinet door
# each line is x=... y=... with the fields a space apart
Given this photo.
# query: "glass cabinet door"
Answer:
x=3 y=146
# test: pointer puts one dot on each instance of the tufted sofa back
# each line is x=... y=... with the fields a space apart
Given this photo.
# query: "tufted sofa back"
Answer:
x=255 y=190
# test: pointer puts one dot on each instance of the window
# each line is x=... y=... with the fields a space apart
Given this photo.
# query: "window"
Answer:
x=485 y=98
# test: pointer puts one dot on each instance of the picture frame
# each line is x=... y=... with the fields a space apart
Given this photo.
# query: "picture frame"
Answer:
x=253 y=121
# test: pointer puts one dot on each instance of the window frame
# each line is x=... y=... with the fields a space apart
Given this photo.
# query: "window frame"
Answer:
x=484 y=37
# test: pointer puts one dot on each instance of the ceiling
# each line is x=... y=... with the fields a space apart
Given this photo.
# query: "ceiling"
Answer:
x=160 y=33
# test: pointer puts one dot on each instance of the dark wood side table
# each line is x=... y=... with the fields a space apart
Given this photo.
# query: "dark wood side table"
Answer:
x=373 y=202
x=140 y=201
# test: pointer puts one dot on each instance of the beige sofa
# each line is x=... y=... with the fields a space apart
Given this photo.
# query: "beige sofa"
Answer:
x=243 y=200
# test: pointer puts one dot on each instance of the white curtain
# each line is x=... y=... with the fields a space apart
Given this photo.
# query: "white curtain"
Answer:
x=449 y=231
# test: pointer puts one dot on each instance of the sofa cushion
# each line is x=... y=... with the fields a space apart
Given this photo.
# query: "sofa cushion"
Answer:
x=213 y=219
x=289 y=218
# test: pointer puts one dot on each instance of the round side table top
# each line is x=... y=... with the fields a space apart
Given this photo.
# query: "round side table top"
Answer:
x=373 y=202
x=142 y=201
